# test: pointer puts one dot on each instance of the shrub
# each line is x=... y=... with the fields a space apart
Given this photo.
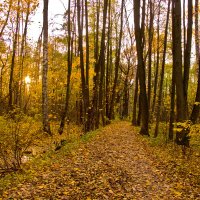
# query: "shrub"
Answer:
x=17 y=133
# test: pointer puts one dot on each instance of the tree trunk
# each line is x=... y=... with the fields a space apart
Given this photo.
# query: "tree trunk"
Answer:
x=117 y=63
x=141 y=69
x=10 y=103
x=134 y=120
x=157 y=61
x=187 y=54
x=46 y=124
x=177 y=59
x=196 y=108
x=172 y=107
x=22 y=55
x=7 y=16
x=126 y=94
x=150 y=50
x=69 y=60
x=80 y=42
x=109 y=63
x=162 y=74
x=197 y=31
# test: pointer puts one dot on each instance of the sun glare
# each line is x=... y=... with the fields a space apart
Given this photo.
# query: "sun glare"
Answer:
x=27 y=80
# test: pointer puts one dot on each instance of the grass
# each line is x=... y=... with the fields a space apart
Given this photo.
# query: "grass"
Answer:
x=74 y=137
x=171 y=154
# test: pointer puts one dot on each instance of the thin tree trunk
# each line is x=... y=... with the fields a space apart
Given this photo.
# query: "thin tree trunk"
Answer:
x=95 y=101
x=150 y=50
x=157 y=61
x=80 y=41
x=162 y=74
x=196 y=108
x=22 y=53
x=7 y=17
x=172 y=107
x=109 y=62
x=101 y=68
x=134 y=121
x=187 y=54
x=126 y=94
x=46 y=124
x=117 y=63
x=197 y=31
x=69 y=52
x=10 y=103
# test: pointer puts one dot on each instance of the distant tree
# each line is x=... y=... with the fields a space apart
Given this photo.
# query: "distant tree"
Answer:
x=7 y=17
x=157 y=59
x=22 y=56
x=13 y=62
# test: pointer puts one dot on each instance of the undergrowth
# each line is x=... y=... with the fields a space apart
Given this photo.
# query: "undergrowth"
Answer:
x=170 y=154
x=46 y=154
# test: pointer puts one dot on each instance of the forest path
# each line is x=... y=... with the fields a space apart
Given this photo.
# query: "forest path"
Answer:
x=115 y=164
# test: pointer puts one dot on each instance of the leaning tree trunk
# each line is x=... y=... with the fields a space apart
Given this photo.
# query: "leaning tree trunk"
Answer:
x=7 y=17
x=46 y=125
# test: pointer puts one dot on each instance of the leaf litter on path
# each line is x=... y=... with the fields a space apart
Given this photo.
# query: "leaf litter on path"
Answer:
x=115 y=164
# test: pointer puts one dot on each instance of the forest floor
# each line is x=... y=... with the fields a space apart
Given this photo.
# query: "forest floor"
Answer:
x=117 y=163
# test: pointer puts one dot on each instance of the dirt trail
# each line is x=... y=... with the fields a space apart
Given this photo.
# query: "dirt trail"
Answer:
x=113 y=165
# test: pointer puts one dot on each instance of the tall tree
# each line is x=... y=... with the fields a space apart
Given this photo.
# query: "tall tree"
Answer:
x=117 y=63
x=196 y=108
x=101 y=63
x=177 y=59
x=109 y=61
x=139 y=36
x=99 y=69
x=87 y=89
x=162 y=73
x=46 y=124
x=157 y=59
x=22 y=54
x=69 y=61
x=15 y=39
x=150 y=40
x=187 y=53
